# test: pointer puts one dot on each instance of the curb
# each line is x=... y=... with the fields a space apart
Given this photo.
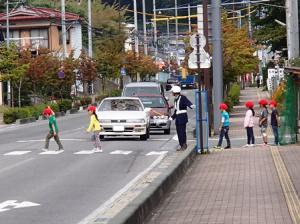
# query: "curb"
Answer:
x=142 y=206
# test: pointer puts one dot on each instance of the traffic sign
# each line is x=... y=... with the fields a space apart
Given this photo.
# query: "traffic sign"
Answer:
x=193 y=40
x=123 y=71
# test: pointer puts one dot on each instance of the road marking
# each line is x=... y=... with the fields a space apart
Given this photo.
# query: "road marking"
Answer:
x=108 y=204
x=52 y=152
x=62 y=139
x=156 y=153
x=16 y=153
x=84 y=152
x=158 y=139
x=289 y=191
x=12 y=204
x=120 y=152
x=175 y=137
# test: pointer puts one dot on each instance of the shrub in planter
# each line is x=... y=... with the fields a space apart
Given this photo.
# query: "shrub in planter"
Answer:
x=85 y=100
x=64 y=105
x=23 y=112
x=10 y=116
x=229 y=103
x=234 y=93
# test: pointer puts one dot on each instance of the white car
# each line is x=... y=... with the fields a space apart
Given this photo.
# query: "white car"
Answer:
x=124 y=116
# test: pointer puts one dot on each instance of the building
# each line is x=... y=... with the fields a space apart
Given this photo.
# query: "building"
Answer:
x=34 y=28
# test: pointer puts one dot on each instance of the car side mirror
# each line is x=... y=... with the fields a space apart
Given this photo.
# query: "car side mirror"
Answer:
x=147 y=110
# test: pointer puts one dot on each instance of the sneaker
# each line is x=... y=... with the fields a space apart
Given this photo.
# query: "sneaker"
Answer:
x=245 y=146
x=252 y=145
x=228 y=147
x=217 y=147
x=60 y=149
x=44 y=150
x=97 y=150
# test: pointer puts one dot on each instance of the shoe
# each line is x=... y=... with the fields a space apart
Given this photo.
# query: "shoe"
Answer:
x=184 y=147
x=228 y=147
x=60 y=149
x=245 y=146
x=97 y=150
x=44 y=150
x=179 y=149
x=252 y=145
x=217 y=147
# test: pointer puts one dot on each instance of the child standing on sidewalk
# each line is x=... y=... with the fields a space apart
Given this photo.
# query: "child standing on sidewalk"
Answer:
x=249 y=123
x=263 y=120
x=224 y=129
x=95 y=128
x=53 y=129
x=274 y=121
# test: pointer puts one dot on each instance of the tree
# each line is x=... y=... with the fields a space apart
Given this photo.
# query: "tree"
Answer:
x=13 y=68
x=238 y=52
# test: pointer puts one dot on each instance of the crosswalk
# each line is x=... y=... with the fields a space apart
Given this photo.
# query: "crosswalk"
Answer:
x=82 y=152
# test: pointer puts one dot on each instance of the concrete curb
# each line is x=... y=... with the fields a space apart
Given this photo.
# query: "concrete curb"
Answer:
x=141 y=207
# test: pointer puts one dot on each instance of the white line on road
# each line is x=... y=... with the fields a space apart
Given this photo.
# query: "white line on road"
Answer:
x=106 y=205
x=120 y=152
x=156 y=153
x=16 y=153
x=12 y=204
x=62 y=139
x=84 y=152
x=52 y=152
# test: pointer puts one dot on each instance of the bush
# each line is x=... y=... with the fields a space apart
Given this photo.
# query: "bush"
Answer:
x=99 y=98
x=85 y=100
x=9 y=116
x=115 y=93
x=229 y=103
x=234 y=94
x=64 y=105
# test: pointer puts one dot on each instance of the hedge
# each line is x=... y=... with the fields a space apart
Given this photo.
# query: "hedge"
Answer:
x=234 y=94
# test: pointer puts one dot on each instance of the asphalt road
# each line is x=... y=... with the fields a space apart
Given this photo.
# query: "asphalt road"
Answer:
x=65 y=188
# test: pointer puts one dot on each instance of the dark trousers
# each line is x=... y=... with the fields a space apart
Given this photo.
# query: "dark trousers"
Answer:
x=224 y=132
x=181 y=133
x=250 y=135
x=258 y=84
x=275 y=133
x=56 y=138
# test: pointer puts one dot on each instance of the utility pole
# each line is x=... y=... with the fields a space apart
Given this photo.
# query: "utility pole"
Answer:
x=168 y=36
x=189 y=14
x=63 y=28
x=217 y=62
x=145 y=29
x=292 y=28
x=90 y=41
x=176 y=23
x=136 y=37
x=7 y=44
x=249 y=19
x=155 y=29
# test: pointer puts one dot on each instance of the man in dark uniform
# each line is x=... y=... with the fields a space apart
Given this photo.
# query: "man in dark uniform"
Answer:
x=180 y=116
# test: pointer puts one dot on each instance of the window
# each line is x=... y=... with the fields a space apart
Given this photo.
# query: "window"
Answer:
x=60 y=36
x=39 y=38
x=14 y=36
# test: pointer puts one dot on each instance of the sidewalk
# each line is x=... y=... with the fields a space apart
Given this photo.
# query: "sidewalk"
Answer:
x=241 y=185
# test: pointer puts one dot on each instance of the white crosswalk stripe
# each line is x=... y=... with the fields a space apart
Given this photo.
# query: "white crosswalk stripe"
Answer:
x=16 y=153
x=120 y=152
x=84 y=152
x=156 y=153
x=52 y=152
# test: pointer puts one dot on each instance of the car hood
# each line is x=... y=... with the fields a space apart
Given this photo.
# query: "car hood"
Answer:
x=159 y=111
x=121 y=115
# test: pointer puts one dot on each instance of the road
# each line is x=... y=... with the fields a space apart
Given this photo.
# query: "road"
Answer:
x=65 y=188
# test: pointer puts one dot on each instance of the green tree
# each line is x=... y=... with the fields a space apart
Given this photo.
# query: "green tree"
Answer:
x=13 y=68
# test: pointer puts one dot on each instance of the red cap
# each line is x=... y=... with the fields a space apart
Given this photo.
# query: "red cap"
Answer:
x=273 y=102
x=263 y=102
x=92 y=108
x=249 y=104
x=47 y=111
x=223 y=106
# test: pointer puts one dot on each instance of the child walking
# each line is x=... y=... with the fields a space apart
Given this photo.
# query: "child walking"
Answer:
x=263 y=120
x=249 y=123
x=53 y=129
x=224 y=129
x=95 y=128
x=274 y=121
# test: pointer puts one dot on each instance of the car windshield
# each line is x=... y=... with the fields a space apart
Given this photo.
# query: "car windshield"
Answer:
x=121 y=105
x=134 y=91
x=153 y=102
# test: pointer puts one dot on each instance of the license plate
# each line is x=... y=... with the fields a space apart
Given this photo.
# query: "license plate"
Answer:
x=183 y=85
x=118 y=128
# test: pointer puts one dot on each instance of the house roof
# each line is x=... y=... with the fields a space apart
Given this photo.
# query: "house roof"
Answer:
x=24 y=13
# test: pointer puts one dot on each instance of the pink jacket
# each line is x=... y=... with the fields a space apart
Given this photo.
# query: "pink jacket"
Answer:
x=249 y=119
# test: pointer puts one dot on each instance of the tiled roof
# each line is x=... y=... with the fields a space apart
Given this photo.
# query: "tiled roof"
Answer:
x=29 y=13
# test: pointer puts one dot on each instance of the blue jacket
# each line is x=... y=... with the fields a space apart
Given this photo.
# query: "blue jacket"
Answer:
x=179 y=114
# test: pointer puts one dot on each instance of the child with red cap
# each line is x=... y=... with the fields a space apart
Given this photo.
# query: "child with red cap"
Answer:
x=249 y=123
x=53 y=129
x=274 y=121
x=95 y=128
x=224 y=129
x=263 y=120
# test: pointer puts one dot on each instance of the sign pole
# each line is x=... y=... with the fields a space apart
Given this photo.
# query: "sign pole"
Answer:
x=200 y=95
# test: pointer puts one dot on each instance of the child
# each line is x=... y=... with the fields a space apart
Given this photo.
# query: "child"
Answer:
x=249 y=123
x=224 y=129
x=274 y=121
x=53 y=129
x=263 y=120
x=95 y=128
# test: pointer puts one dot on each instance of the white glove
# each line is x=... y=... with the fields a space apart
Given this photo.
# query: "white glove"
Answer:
x=170 y=118
x=193 y=106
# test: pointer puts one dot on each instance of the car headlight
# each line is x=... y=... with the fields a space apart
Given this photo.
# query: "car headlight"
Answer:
x=105 y=121
x=136 y=121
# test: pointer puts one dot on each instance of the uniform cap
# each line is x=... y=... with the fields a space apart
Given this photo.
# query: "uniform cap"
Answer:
x=176 y=89
x=223 y=106
x=47 y=111
x=249 y=104
x=92 y=108
x=273 y=102
x=263 y=102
